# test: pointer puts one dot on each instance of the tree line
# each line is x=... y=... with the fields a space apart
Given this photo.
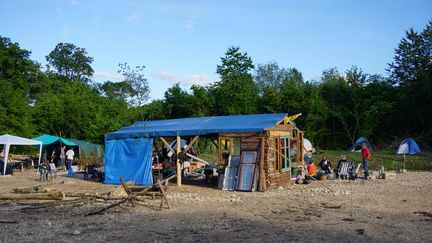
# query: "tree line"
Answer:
x=62 y=99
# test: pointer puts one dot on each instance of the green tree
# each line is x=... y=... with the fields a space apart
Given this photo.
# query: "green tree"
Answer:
x=71 y=62
x=236 y=93
x=18 y=75
x=135 y=87
x=411 y=69
x=177 y=102
x=202 y=101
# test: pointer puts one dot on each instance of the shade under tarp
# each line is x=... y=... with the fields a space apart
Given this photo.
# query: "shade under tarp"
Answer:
x=87 y=149
x=8 y=140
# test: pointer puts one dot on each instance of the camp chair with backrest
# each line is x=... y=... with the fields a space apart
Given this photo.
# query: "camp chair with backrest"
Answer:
x=344 y=170
x=52 y=171
x=355 y=171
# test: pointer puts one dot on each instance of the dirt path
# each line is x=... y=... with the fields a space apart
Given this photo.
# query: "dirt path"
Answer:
x=352 y=211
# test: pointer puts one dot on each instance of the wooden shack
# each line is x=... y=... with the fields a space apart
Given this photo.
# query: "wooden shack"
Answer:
x=280 y=156
x=273 y=138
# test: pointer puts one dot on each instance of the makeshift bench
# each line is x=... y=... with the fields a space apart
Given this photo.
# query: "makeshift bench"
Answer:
x=135 y=191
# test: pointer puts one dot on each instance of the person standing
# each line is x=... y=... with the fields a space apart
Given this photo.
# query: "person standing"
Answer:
x=70 y=156
x=62 y=157
x=366 y=157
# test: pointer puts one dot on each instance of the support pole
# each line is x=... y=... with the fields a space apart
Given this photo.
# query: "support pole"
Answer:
x=261 y=178
x=179 y=176
x=6 y=156
x=167 y=145
x=191 y=143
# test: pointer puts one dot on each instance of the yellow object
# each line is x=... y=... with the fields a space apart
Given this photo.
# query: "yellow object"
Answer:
x=291 y=118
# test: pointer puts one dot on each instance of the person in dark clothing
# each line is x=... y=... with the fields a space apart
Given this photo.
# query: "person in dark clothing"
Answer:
x=325 y=165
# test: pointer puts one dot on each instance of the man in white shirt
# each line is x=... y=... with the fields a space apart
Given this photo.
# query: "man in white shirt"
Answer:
x=70 y=156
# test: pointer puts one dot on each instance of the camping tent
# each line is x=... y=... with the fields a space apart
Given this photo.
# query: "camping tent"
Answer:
x=86 y=149
x=307 y=146
x=8 y=140
x=408 y=146
x=357 y=145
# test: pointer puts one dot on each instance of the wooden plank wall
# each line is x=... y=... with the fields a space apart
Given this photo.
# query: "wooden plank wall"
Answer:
x=252 y=142
x=274 y=178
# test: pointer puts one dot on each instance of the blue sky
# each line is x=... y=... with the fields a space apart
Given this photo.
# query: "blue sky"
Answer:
x=183 y=41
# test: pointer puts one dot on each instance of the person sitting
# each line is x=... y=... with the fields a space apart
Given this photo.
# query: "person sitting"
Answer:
x=312 y=169
x=325 y=165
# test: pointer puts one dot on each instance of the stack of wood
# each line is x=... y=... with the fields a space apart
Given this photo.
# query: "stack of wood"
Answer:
x=42 y=197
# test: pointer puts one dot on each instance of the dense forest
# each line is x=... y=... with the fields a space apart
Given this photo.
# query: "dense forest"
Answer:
x=62 y=99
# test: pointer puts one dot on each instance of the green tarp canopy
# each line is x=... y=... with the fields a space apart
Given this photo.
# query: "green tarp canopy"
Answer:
x=48 y=140
x=86 y=149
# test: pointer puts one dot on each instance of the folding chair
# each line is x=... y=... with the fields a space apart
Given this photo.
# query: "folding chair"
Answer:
x=344 y=170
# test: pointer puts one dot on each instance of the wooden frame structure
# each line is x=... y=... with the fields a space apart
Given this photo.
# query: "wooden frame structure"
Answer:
x=273 y=169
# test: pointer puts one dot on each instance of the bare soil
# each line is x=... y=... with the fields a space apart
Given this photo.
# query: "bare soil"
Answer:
x=391 y=210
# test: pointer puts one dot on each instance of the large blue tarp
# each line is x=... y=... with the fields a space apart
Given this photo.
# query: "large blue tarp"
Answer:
x=130 y=158
x=198 y=126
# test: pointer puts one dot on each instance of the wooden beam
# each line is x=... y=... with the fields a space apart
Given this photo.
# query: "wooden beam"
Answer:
x=217 y=146
x=167 y=145
x=179 y=177
x=191 y=143
x=261 y=178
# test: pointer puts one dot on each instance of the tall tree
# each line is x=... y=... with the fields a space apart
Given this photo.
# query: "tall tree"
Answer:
x=135 y=88
x=412 y=71
x=71 y=61
x=236 y=93
x=18 y=75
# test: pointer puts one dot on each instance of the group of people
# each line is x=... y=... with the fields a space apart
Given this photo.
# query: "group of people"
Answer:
x=325 y=166
x=59 y=157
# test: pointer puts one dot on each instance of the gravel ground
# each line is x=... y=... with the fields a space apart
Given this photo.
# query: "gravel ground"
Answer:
x=391 y=210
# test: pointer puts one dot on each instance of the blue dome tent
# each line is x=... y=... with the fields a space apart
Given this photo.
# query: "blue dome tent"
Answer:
x=408 y=146
x=357 y=146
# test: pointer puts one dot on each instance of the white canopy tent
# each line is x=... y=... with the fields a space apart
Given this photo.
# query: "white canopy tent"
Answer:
x=8 y=140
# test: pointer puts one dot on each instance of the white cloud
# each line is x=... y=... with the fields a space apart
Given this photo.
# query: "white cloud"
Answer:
x=200 y=79
x=185 y=80
x=165 y=75
x=190 y=25
x=135 y=17
x=74 y=2
x=107 y=76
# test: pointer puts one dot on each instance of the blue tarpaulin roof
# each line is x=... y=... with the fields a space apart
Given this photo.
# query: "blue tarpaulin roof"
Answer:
x=198 y=126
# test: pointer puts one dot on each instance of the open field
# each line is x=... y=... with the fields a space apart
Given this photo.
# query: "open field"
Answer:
x=392 y=210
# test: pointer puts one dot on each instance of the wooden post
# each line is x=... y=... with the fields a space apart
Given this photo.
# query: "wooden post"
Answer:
x=167 y=145
x=191 y=143
x=261 y=178
x=179 y=176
